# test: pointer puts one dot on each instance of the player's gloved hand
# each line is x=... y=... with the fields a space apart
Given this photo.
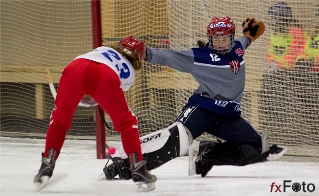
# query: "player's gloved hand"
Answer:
x=253 y=28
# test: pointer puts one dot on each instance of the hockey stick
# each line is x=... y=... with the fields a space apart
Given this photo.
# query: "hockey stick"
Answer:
x=102 y=117
x=103 y=175
x=101 y=111
x=52 y=88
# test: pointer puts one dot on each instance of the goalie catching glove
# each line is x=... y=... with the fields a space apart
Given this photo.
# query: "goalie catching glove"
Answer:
x=253 y=29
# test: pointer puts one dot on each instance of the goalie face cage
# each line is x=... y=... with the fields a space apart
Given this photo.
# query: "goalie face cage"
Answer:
x=283 y=102
x=216 y=29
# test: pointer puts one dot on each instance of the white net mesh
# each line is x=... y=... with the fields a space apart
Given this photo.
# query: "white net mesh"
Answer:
x=285 y=103
x=39 y=35
x=48 y=34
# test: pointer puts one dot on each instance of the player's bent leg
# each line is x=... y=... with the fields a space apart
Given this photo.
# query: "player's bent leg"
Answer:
x=158 y=147
x=225 y=153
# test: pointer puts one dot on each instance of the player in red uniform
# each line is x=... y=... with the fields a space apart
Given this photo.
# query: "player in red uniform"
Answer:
x=100 y=76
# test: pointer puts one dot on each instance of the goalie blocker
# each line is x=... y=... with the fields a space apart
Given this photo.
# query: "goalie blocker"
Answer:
x=157 y=148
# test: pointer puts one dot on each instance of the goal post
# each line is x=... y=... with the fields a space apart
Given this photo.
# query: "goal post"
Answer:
x=97 y=41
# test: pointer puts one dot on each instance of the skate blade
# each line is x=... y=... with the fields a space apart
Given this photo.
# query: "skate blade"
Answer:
x=272 y=157
x=39 y=186
x=191 y=165
x=192 y=156
x=142 y=187
x=101 y=176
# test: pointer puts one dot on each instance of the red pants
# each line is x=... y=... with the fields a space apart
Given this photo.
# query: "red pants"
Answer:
x=84 y=77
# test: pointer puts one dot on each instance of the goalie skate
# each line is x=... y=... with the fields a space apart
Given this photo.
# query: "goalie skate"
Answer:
x=192 y=156
x=276 y=152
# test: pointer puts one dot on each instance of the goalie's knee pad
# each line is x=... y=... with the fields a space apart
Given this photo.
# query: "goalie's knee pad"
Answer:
x=226 y=153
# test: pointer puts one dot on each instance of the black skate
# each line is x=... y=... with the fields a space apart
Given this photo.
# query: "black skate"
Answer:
x=120 y=167
x=203 y=166
x=46 y=169
x=276 y=152
x=144 y=180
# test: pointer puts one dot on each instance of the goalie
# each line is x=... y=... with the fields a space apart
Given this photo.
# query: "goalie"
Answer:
x=214 y=107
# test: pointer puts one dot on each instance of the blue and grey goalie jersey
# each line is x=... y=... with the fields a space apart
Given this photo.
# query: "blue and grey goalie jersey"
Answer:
x=221 y=78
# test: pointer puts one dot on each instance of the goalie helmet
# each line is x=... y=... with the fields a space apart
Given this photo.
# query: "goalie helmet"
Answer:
x=220 y=26
x=130 y=45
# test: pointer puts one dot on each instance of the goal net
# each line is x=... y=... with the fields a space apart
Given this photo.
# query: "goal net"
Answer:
x=282 y=102
x=35 y=36
x=281 y=94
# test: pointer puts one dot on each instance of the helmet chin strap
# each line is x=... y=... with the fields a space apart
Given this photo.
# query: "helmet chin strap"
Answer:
x=126 y=51
x=224 y=51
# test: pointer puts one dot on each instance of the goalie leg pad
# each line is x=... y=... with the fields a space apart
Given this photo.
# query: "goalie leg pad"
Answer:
x=226 y=153
x=175 y=144
x=157 y=148
x=176 y=135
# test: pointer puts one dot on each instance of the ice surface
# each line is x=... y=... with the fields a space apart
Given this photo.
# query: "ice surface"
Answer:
x=77 y=171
